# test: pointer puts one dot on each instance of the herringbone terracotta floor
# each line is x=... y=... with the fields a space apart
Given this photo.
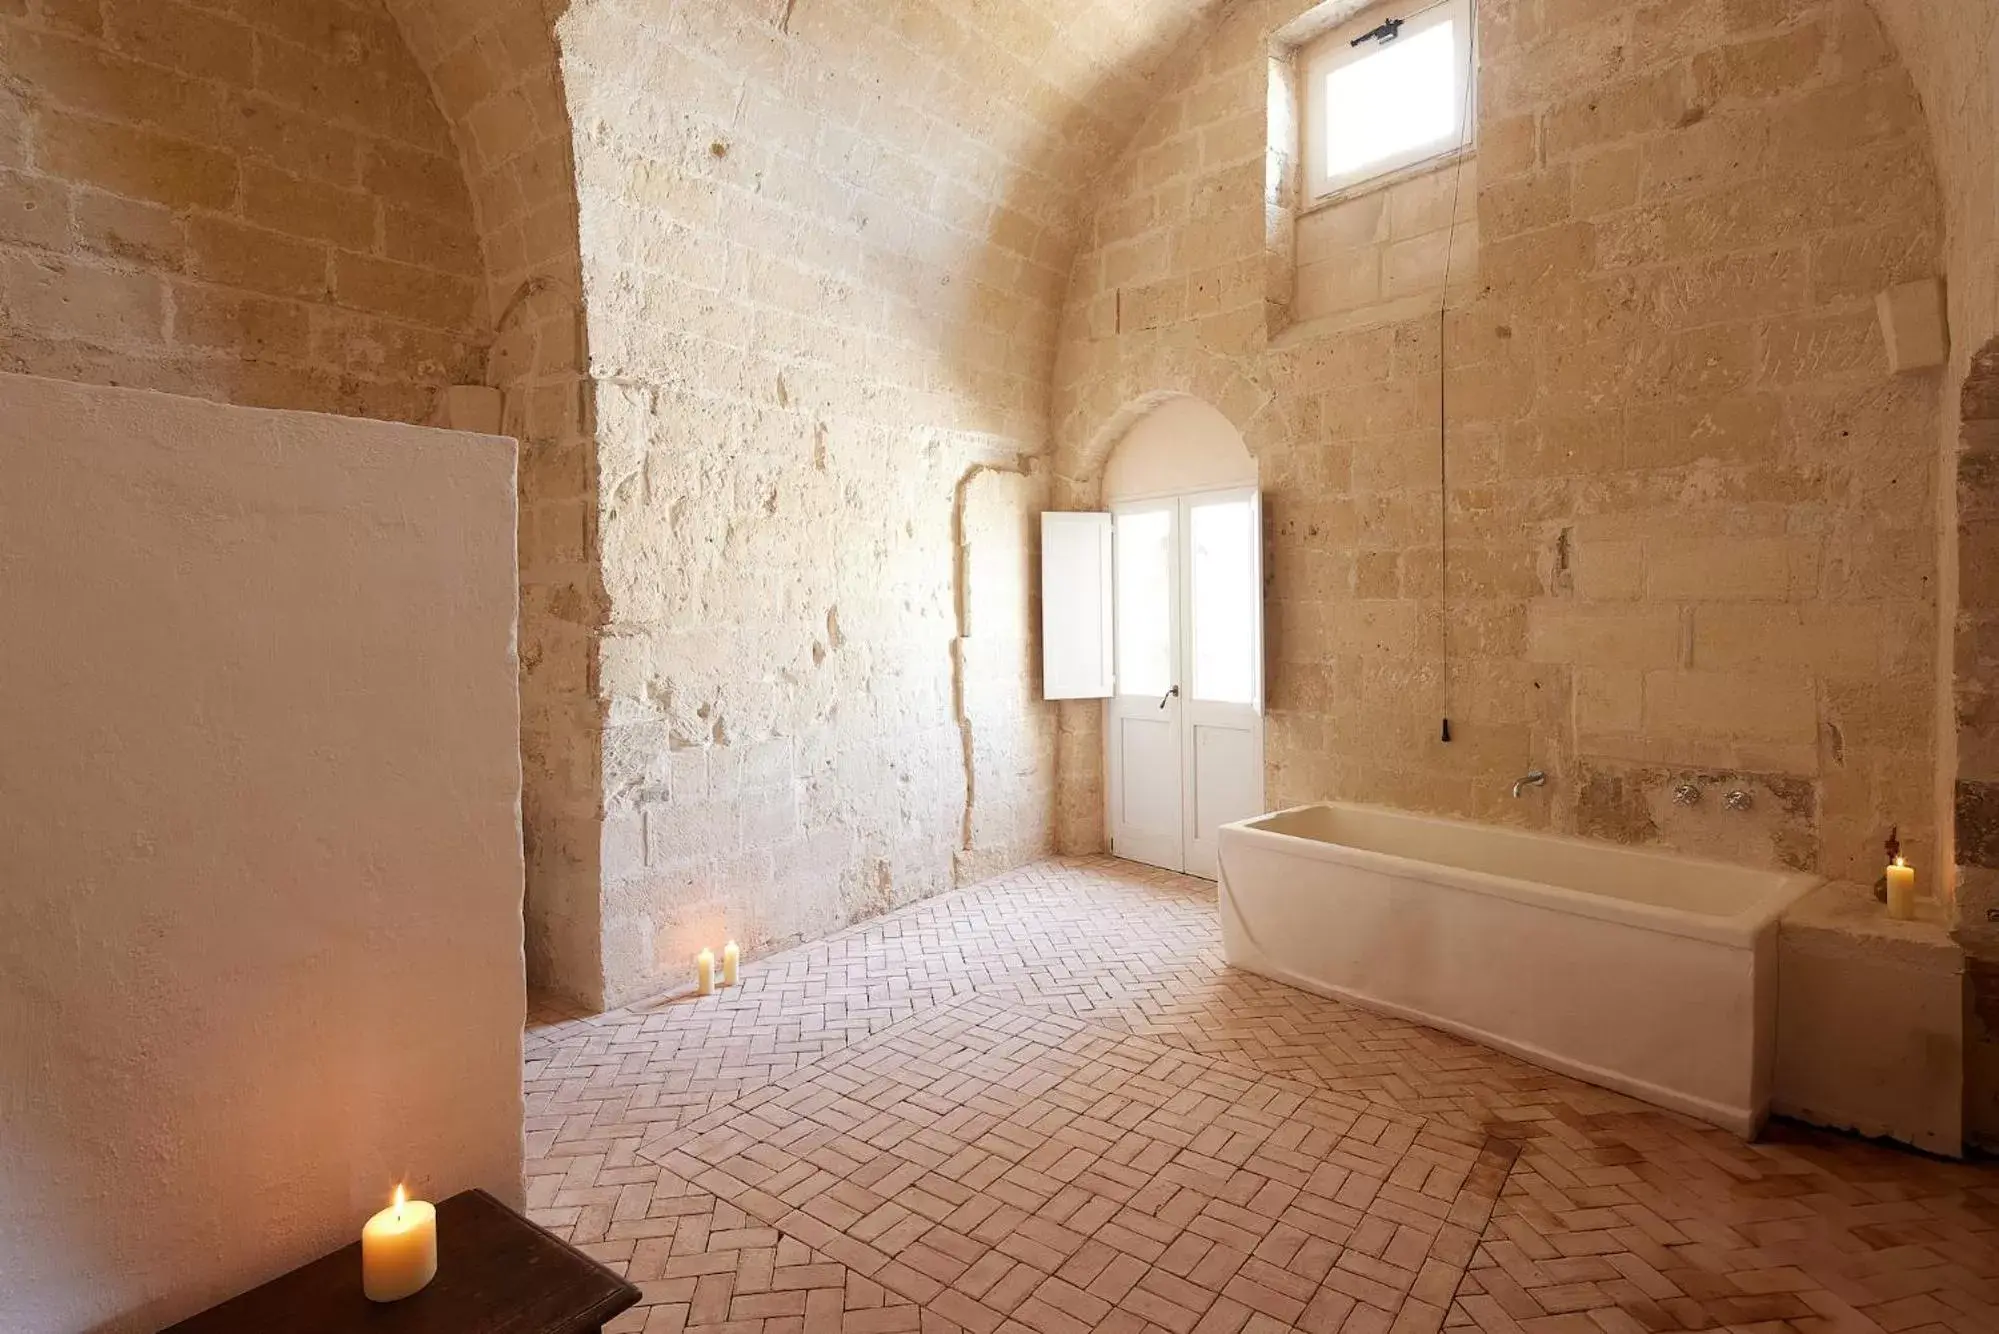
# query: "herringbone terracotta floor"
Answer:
x=1045 y=1106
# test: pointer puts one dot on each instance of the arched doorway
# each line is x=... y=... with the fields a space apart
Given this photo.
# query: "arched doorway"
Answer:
x=1183 y=704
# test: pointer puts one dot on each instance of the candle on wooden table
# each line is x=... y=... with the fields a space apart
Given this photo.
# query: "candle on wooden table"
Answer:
x=704 y=973
x=731 y=956
x=1901 y=891
x=399 y=1249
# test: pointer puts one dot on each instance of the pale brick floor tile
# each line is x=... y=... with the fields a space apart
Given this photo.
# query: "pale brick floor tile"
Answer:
x=1044 y=1106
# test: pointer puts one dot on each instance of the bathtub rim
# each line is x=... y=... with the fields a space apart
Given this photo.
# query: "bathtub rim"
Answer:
x=1743 y=930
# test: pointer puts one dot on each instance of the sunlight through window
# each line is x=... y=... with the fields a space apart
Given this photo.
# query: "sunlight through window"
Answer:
x=1376 y=105
x=1399 y=98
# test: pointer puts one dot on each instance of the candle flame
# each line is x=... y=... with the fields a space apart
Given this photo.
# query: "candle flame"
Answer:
x=1900 y=862
x=401 y=1197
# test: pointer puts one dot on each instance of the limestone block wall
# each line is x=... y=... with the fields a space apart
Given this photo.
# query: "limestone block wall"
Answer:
x=498 y=77
x=825 y=249
x=250 y=202
x=1975 y=699
x=1396 y=244
x=1690 y=515
x=1951 y=50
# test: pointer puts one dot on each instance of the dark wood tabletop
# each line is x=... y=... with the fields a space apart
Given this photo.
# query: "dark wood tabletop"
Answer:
x=497 y=1273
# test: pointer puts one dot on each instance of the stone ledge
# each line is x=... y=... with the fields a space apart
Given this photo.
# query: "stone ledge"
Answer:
x=1870 y=1019
x=1841 y=917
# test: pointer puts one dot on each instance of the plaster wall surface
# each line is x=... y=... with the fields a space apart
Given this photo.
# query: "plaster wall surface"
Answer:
x=260 y=947
x=825 y=248
x=250 y=202
x=1691 y=517
x=1183 y=445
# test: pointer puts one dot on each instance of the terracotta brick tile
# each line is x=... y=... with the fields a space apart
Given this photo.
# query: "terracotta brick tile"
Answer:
x=1142 y=1301
x=1015 y=1287
x=1366 y=1174
x=900 y=1319
x=763 y=1305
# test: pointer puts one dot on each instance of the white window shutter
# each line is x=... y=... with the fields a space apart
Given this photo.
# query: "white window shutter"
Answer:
x=1076 y=606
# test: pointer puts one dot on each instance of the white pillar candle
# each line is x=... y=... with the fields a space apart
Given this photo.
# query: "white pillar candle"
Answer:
x=399 y=1250
x=731 y=956
x=1902 y=891
x=704 y=973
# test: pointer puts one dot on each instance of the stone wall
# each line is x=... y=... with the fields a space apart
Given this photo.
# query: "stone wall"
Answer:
x=1952 y=52
x=251 y=202
x=825 y=249
x=1975 y=700
x=498 y=75
x=1394 y=244
x=1690 y=515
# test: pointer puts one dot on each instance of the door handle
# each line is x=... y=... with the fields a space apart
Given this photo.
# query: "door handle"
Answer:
x=1168 y=695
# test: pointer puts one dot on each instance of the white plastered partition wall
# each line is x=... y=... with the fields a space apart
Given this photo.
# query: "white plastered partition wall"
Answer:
x=1155 y=606
x=260 y=923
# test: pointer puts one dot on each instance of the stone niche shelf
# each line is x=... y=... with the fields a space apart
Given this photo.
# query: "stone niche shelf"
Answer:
x=1870 y=1020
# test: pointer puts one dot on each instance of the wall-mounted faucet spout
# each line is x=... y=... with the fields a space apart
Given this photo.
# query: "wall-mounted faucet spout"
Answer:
x=1534 y=778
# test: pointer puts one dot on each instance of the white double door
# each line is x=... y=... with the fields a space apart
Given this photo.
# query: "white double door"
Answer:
x=1185 y=734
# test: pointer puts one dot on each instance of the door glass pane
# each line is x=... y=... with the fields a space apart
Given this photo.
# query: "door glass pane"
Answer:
x=1223 y=539
x=1145 y=602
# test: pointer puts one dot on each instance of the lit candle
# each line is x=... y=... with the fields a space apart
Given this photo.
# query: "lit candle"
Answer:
x=1901 y=891
x=731 y=956
x=399 y=1250
x=704 y=973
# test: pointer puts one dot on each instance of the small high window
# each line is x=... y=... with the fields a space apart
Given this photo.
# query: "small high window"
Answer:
x=1387 y=92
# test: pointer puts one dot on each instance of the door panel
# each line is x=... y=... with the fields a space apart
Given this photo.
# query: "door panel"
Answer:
x=1145 y=539
x=1225 y=785
x=1185 y=739
x=1224 y=598
x=1147 y=770
x=1148 y=810
x=1223 y=718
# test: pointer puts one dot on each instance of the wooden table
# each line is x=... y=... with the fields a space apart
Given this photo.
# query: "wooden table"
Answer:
x=497 y=1273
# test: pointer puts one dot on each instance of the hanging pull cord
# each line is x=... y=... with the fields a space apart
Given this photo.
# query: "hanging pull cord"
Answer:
x=1465 y=112
x=1387 y=32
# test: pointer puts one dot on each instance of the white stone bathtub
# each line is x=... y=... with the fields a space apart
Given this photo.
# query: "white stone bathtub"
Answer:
x=1646 y=972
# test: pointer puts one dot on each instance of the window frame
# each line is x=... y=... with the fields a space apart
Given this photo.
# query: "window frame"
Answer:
x=1334 y=49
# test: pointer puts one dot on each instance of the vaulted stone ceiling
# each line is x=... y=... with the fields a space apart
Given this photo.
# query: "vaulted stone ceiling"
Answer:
x=1004 y=72
x=497 y=71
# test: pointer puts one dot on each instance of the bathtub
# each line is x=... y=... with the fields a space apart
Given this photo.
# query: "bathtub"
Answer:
x=1646 y=972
